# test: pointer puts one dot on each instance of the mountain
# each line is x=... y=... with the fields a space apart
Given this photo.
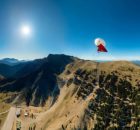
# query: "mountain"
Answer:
x=137 y=62
x=20 y=69
x=38 y=80
x=8 y=71
x=10 y=66
x=78 y=94
x=84 y=105
x=10 y=61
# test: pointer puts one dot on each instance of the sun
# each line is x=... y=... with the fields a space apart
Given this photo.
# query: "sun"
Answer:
x=25 y=30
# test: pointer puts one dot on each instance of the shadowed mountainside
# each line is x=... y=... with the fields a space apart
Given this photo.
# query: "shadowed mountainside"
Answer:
x=68 y=87
x=36 y=80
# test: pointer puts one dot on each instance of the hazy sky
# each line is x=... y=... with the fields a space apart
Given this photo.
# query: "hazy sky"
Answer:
x=69 y=27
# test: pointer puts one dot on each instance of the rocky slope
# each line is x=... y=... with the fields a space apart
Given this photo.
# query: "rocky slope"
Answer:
x=83 y=104
x=79 y=94
x=36 y=81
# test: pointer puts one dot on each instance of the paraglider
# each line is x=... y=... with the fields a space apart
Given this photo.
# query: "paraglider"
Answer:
x=100 y=43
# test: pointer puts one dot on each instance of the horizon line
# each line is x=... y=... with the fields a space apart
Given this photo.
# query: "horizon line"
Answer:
x=107 y=58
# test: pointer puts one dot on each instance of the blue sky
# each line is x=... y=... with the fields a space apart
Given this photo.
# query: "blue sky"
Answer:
x=69 y=27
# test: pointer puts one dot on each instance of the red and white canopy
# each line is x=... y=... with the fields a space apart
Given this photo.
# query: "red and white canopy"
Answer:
x=100 y=43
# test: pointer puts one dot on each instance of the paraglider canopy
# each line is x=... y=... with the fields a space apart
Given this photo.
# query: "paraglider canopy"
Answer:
x=100 y=43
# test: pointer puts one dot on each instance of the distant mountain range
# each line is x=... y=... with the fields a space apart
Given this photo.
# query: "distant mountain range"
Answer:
x=13 y=61
x=9 y=61
x=137 y=62
x=78 y=94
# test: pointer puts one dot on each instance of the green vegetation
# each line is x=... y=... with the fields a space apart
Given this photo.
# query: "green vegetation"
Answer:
x=121 y=109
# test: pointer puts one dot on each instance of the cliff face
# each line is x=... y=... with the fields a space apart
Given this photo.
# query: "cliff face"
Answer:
x=75 y=99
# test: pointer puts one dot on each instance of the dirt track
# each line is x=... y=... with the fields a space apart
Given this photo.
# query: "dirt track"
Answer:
x=10 y=119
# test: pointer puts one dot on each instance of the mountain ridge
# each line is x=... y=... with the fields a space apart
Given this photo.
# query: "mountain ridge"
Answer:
x=78 y=94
